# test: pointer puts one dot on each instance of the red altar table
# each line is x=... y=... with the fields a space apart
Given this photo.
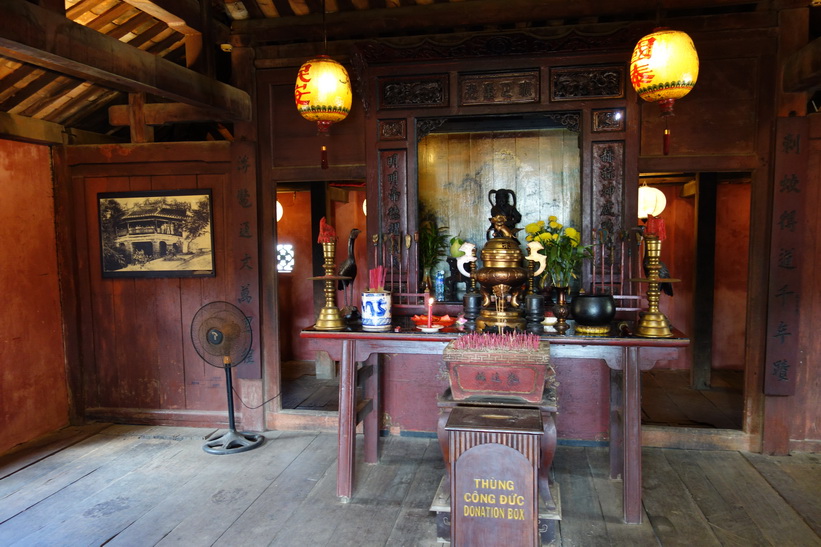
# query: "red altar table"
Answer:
x=626 y=356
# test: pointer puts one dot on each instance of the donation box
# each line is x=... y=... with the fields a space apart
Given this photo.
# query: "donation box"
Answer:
x=494 y=471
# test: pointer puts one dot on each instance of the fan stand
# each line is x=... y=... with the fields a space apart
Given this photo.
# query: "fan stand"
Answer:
x=232 y=441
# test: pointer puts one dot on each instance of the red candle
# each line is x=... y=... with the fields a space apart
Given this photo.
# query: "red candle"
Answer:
x=430 y=313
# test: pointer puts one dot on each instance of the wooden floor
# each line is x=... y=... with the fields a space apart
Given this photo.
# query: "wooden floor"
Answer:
x=138 y=486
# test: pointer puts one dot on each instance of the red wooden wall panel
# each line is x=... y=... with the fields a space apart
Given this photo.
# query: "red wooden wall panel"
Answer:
x=33 y=393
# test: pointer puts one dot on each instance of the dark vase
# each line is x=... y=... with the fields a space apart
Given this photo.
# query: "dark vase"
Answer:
x=593 y=310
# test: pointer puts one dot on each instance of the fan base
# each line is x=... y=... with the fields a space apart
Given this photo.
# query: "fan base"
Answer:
x=233 y=442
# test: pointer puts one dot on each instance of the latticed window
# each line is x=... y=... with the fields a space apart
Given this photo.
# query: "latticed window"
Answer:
x=285 y=258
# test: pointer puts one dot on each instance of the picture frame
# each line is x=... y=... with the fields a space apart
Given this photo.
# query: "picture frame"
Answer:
x=156 y=233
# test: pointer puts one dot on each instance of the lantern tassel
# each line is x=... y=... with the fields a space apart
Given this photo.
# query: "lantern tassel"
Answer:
x=323 y=161
x=666 y=142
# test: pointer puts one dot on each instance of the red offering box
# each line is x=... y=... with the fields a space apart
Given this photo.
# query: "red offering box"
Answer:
x=510 y=374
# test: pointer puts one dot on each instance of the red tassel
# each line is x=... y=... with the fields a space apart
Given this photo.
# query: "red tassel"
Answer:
x=666 y=142
x=324 y=158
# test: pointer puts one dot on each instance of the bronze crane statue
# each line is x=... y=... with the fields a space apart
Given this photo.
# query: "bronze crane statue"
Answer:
x=348 y=269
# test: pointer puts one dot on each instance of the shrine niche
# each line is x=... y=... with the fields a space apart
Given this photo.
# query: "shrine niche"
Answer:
x=551 y=127
x=460 y=162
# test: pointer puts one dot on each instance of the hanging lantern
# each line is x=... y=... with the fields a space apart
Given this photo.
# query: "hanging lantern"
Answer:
x=323 y=92
x=664 y=67
x=652 y=201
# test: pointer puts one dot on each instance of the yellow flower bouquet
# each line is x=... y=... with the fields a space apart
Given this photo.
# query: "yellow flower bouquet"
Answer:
x=563 y=249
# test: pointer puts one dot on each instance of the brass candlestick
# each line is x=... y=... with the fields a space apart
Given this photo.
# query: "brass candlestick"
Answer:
x=329 y=316
x=653 y=323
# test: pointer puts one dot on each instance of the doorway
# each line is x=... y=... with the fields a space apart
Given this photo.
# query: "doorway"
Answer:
x=309 y=381
x=707 y=220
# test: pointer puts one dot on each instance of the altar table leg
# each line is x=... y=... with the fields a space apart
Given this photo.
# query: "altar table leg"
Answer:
x=347 y=422
x=631 y=391
x=616 y=425
x=370 y=426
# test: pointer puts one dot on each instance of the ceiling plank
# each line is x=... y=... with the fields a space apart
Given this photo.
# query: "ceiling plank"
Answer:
x=33 y=35
x=181 y=15
x=802 y=70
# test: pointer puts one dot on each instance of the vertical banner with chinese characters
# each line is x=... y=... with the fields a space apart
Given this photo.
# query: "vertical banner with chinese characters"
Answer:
x=241 y=241
x=789 y=189
x=608 y=192
x=393 y=187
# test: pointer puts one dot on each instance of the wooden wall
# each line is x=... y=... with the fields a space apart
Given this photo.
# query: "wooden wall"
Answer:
x=33 y=391
x=136 y=361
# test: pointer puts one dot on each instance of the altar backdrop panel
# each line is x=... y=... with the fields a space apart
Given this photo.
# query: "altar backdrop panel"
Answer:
x=457 y=170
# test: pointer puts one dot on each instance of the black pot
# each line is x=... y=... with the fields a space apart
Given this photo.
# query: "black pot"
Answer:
x=593 y=310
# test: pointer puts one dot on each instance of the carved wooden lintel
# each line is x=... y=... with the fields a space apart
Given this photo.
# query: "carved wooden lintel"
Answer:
x=414 y=91
x=574 y=83
x=499 y=88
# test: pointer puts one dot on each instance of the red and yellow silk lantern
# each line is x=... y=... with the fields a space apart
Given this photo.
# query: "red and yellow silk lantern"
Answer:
x=323 y=92
x=664 y=67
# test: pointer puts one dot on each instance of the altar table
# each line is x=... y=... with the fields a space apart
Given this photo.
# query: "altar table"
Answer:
x=625 y=355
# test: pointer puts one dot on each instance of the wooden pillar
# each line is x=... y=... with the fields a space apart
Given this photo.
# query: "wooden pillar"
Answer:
x=705 y=247
x=793 y=35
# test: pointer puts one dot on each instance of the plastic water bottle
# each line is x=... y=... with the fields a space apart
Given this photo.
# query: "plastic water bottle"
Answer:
x=439 y=285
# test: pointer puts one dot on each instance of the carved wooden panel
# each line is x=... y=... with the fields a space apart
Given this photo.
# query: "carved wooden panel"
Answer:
x=608 y=196
x=609 y=119
x=413 y=92
x=573 y=83
x=393 y=174
x=499 y=88
x=532 y=42
x=608 y=184
x=392 y=130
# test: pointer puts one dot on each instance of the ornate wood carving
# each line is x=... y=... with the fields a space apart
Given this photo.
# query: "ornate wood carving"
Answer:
x=499 y=88
x=608 y=185
x=425 y=126
x=393 y=175
x=414 y=91
x=574 y=83
x=569 y=120
x=541 y=42
x=610 y=119
x=392 y=130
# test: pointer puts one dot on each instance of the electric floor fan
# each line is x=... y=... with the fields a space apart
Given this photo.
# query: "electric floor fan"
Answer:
x=222 y=336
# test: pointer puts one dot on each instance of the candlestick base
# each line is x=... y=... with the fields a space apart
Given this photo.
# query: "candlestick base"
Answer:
x=653 y=325
x=329 y=319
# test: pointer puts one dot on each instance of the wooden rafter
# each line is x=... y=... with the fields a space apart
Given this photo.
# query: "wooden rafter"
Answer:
x=34 y=35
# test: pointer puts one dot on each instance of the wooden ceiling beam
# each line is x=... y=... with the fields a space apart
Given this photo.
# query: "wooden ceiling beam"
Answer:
x=162 y=113
x=802 y=69
x=43 y=132
x=33 y=35
x=424 y=18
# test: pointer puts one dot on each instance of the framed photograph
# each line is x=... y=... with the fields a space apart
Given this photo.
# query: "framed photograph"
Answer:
x=156 y=234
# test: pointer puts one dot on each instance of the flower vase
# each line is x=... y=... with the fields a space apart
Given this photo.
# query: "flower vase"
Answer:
x=561 y=310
